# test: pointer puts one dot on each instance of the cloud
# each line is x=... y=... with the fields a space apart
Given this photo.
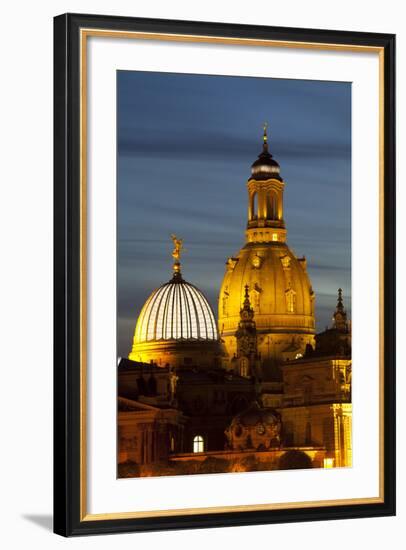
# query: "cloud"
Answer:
x=327 y=267
x=188 y=143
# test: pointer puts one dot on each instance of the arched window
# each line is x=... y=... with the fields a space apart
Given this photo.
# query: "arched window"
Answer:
x=254 y=206
x=291 y=301
x=271 y=213
x=198 y=444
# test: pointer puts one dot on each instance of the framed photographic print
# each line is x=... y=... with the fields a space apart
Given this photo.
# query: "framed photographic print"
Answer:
x=224 y=274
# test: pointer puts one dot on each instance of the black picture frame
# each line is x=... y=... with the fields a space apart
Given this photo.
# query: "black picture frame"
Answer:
x=67 y=354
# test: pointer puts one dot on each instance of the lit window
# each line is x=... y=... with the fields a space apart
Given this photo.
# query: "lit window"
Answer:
x=291 y=301
x=274 y=236
x=198 y=444
x=328 y=462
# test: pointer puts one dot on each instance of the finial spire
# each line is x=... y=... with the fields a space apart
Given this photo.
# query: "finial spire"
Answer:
x=340 y=305
x=265 y=136
x=176 y=253
x=246 y=312
x=247 y=296
x=340 y=315
x=246 y=306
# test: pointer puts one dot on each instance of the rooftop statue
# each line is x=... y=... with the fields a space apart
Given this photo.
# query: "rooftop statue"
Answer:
x=178 y=247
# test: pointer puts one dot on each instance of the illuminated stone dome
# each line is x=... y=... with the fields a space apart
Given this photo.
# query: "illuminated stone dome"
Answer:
x=257 y=428
x=279 y=287
x=176 y=326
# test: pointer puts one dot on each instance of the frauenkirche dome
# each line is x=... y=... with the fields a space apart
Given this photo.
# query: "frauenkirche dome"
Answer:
x=280 y=291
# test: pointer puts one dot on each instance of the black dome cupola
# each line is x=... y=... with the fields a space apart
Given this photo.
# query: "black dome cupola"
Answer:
x=265 y=167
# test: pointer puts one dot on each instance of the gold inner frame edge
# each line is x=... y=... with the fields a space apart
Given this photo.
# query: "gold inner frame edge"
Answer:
x=84 y=34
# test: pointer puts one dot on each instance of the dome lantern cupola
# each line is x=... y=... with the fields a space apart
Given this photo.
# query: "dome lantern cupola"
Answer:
x=265 y=199
x=265 y=167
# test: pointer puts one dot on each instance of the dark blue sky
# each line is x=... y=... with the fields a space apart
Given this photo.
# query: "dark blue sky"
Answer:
x=185 y=147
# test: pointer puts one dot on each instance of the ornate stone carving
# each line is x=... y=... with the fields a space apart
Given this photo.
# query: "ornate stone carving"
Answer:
x=286 y=261
x=256 y=261
x=225 y=300
x=231 y=263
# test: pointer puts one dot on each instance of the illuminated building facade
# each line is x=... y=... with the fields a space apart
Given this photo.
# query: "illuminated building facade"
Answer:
x=316 y=404
x=257 y=390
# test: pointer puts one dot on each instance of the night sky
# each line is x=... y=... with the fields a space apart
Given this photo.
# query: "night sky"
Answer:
x=185 y=147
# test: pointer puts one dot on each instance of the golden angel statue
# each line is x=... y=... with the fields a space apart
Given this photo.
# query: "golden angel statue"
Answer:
x=178 y=247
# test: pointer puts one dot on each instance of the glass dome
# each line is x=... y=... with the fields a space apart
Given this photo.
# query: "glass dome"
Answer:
x=176 y=310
